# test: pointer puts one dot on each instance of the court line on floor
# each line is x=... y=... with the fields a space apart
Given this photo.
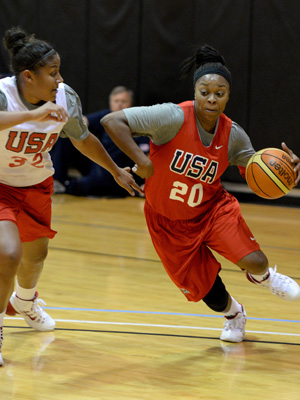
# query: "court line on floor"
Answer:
x=159 y=326
x=160 y=334
x=163 y=313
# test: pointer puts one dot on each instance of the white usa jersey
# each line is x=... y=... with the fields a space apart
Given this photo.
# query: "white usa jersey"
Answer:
x=24 y=157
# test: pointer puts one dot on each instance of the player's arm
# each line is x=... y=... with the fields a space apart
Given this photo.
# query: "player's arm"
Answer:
x=160 y=122
x=8 y=119
x=92 y=148
x=116 y=125
x=295 y=161
x=48 y=111
x=240 y=148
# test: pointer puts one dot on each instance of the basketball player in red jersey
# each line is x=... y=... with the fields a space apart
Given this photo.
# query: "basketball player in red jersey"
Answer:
x=187 y=210
x=35 y=108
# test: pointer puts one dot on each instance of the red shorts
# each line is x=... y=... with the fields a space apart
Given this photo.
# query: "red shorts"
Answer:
x=29 y=208
x=184 y=245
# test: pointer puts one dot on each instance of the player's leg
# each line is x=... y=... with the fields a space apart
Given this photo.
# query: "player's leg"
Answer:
x=255 y=262
x=24 y=299
x=219 y=300
x=10 y=256
x=194 y=269
x=32 y=262
x=231 y=237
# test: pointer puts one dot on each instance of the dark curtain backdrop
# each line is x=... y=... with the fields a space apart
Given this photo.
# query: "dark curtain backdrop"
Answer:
x=142 y=43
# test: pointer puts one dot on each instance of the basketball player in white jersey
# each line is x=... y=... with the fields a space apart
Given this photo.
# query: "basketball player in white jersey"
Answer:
x=36 y=107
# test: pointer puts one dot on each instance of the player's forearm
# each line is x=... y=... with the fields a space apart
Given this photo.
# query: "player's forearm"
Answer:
x=9 y=119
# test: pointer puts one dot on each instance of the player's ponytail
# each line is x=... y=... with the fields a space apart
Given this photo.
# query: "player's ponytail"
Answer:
x=205 y=60
x=26 y=52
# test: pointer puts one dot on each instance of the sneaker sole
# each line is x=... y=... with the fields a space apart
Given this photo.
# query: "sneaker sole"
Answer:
x=10 y=310
x=231 y=340
x=31 y=323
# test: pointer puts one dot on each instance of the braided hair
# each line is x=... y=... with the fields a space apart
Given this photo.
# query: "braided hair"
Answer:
x=205 y=60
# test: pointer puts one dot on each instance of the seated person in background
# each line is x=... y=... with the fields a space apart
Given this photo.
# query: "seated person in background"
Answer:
x=95 y=181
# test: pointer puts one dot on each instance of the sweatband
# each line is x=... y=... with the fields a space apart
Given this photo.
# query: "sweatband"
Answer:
x=48 y=54
x=218 y=70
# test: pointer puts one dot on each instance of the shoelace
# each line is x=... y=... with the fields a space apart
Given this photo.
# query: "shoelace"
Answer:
x=35 y=310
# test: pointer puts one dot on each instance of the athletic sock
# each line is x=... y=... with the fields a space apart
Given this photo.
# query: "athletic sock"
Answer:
x=235 y=308
x=260 y=278
x=25 y=294
x=1 y=318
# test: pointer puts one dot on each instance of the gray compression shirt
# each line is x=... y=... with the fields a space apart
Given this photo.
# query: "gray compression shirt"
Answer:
x=75 y=128
x=162 y=122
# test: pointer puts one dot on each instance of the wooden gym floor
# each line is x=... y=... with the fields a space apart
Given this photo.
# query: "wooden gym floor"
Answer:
x=124 y=331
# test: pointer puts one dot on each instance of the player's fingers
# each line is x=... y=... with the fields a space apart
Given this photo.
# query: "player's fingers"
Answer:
x=130 y=190
x=293 y=156
x=286 y=149
x=137 y=187
x=284 y=146
x=297 y=170
x=60 y=114
x=127 y=186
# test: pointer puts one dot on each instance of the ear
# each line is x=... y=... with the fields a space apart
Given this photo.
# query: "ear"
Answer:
x=28 y=75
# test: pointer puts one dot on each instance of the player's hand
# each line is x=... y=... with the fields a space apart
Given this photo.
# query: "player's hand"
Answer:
x=126 y=180
x=144 y=170
x=295 y=161
x=50 y=112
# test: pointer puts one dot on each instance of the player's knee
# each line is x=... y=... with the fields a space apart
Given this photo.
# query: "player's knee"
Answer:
x=261 y=264
x=255 y=262
x=36 y=259
x=217 y=298
x=9 y=261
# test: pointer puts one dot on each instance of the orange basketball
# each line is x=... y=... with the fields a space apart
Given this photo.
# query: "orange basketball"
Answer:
x=270 y=174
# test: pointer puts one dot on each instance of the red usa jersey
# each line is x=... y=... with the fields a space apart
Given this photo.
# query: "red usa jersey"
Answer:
x=24 y=157
x=186 y=181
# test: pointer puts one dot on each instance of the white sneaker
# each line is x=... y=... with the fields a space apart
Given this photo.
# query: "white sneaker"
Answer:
x=31 y=311
x=280 y=285
x=234 y=328
x=1 y=339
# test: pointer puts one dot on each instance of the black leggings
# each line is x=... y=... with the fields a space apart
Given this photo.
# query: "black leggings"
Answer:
x=217 y=298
